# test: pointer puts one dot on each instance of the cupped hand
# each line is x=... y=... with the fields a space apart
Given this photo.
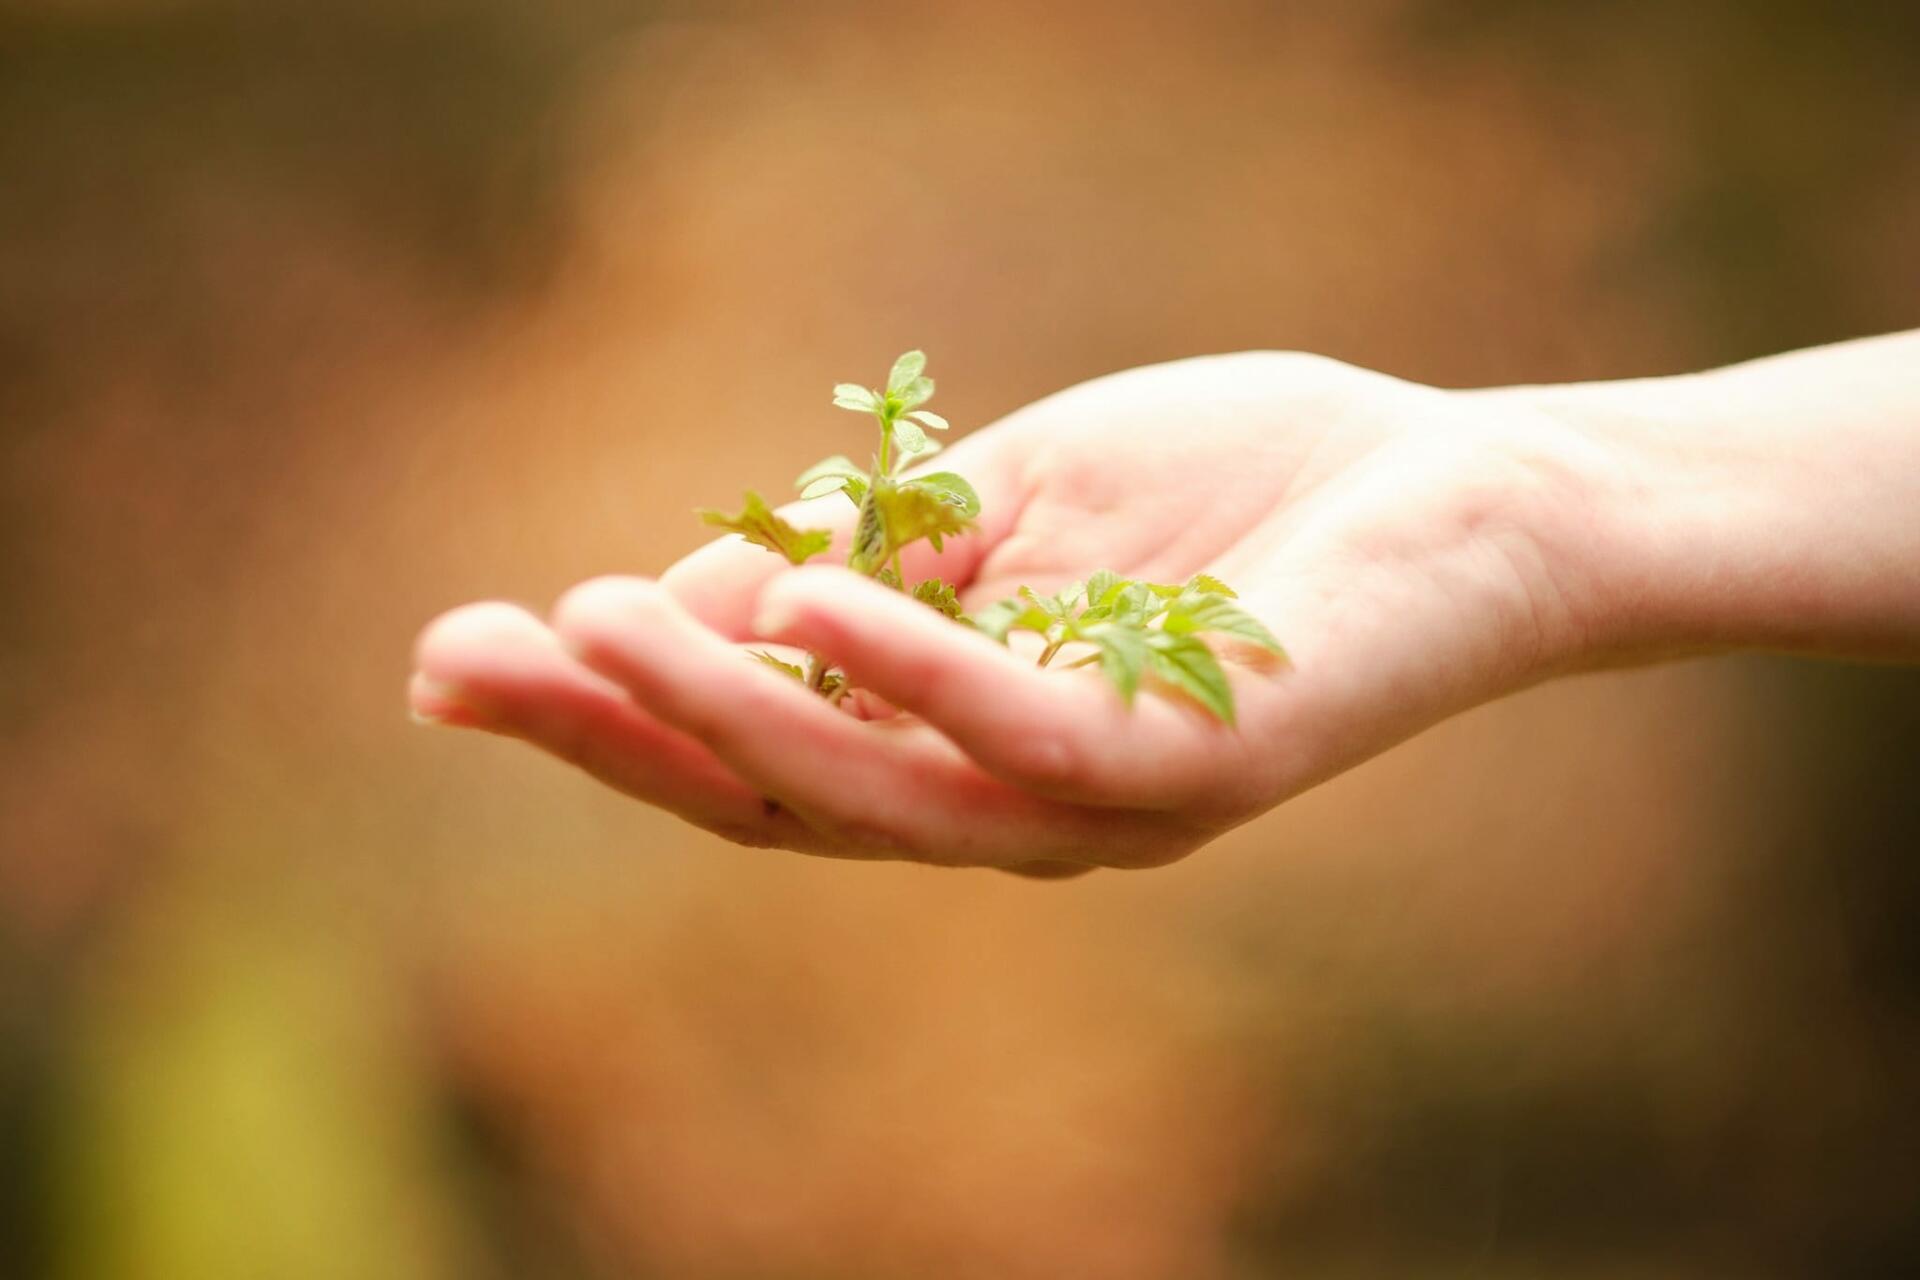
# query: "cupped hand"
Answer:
x=1416 y=550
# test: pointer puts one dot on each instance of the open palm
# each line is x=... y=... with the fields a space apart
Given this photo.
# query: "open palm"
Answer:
x=1413 y=549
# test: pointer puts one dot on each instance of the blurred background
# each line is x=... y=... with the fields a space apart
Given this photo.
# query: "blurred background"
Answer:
x=318 y=318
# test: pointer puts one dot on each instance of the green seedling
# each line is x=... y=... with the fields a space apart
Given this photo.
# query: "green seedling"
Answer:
x=1132 y=629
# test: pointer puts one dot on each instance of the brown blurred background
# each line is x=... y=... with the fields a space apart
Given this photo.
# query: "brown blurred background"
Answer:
x=318 y=318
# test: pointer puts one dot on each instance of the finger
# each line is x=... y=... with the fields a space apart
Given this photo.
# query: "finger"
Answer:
x=1043 y=870
x=720 y=583
x=887 y=788
x=496 y=667
x=1058 y=733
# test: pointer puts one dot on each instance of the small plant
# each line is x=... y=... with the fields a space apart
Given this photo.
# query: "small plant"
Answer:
x=1132 y=629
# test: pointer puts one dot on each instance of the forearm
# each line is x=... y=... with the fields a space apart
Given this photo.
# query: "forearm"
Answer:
x=1770 y=505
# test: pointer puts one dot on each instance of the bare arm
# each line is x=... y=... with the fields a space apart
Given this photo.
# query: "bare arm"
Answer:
x=1774 y=504
x=1419 y=551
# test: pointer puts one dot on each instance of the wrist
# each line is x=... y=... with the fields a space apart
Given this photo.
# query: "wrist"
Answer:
x=1767 y=506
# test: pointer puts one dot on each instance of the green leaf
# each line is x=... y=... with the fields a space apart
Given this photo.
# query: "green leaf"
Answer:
x=1005 y=616
x=1101 y=585
x=908 y=435
x=939 y=596
x=1124 y=653
x=851 y=395
x=1219 y=615
x=914 y=394
x=829 y=683
x=928 y=418
x=870 y=546
x=951 y=489
x=1186 y=663
x=1206 y=582
x=785 y=668
x=759 y=525
x=888 y=578
x=1048 y=605
x=830 y=475
x=1130 y=602
x=905 y=370
x=910 y=512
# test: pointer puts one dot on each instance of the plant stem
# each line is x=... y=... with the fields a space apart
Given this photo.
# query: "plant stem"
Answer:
x=1053 y=647
x=816 y=665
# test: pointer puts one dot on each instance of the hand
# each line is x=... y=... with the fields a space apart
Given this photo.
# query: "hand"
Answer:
x=1416 y=550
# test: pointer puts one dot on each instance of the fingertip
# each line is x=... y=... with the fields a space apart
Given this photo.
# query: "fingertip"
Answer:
x=430 y=702
x=790 y=600
x=588 y=613
x=448 y=644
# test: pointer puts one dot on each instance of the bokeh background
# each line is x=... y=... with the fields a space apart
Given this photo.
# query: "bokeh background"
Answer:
x=318 y=318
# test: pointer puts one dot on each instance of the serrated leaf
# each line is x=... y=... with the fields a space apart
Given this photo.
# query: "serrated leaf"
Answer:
x=928 y=418
x=1047 y=605
x=1102 y=584
x=758 y=524
x=1002 y=617
x=951 y=488
x=908 y=435
x=888 y=578
x=905 y=370
x=939 y=596
x=1130 y=602
x=1207 y=583
x=1165 y=590
x=911 y=512
x=1124 y=654
x=1184 y=662
x=1219 y=615
x=784 y=667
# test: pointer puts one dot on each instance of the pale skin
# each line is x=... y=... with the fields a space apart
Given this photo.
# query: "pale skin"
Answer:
x=1418 y=551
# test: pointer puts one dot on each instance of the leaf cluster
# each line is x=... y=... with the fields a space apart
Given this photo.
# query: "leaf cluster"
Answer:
x=892 y=511
x=1135 y=630
x=1139 y=629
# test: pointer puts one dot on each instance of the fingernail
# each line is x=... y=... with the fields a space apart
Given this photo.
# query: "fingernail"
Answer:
x=433 y=703
x=774 y=617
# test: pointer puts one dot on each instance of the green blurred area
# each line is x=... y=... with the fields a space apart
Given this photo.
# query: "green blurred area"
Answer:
x=315 y=320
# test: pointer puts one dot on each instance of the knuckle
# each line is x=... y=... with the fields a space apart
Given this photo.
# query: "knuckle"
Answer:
x=1051 y=757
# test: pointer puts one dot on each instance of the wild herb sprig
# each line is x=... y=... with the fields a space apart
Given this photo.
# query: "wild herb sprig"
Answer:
x=1133 y=629
x=1138 y=628
x=894 y=511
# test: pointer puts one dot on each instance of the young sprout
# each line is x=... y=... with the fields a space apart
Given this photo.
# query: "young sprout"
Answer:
x=1135 y=629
